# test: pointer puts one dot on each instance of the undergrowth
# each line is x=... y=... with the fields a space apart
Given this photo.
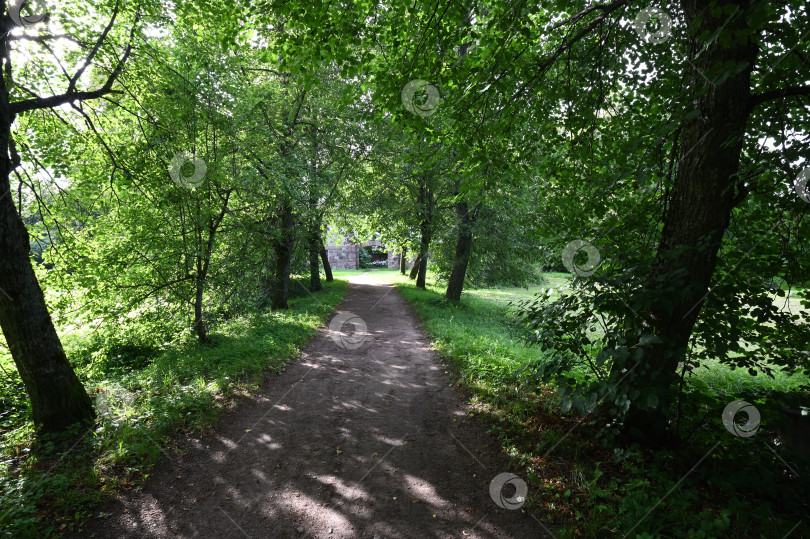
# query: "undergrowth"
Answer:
x=146 y=394
x=713 y=485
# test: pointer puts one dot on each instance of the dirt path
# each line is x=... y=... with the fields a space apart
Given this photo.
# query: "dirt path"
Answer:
x=340 y=446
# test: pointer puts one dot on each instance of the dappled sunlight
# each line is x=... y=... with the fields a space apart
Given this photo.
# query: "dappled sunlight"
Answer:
x=264 y=438
x=358 y=442
x=393 y=442
x=317 y=521
x=423 y=490
x=399 y=367
x=270 y=445
x=151 y=515
x=260 y=278
x=230 y=444
x=260 y=475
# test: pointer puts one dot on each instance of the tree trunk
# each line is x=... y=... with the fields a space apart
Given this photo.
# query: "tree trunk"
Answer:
x=203 y=266
x=466 y=220
x=283 y=256
x=199 y=288
x=424 y=246
x=415 y=269
x=426 y=210
x=704 y=194
x=314 y=221
x=199 y=324
x=403 y=266
x=327 y=267
x=314 y=267
x=58 y=398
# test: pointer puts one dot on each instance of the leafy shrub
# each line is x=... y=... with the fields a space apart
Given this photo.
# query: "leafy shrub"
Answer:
x=364 y=256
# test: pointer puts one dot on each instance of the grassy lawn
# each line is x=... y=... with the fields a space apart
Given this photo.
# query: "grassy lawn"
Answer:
x=711 y=377
x=145 y=399
x=505 y=295
x=349 y=272
x=584 y=486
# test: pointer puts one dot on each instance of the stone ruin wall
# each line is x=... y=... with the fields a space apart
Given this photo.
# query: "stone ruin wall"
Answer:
x=347 y=256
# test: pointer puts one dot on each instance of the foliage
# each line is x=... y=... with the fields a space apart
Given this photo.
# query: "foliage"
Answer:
x=364 y=257
x=554 y=122
x=596 y=336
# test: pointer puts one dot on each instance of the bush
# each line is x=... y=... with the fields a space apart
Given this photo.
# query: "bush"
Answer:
x=365 y=257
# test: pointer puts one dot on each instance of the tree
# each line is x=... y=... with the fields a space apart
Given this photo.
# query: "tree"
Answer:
x=706 y=190
x=466 y=222
x=152 y=231
x=704 y=142
x=58 y=399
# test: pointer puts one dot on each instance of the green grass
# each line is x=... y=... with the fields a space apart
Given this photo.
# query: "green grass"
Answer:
x=585 y=487
x=348 y=272
x=182 y=388
x=719 y=379
x=474 y=332
x=713 y=376
x=505 y=295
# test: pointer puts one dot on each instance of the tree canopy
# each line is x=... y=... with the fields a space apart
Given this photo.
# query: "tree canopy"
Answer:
x=165 y=167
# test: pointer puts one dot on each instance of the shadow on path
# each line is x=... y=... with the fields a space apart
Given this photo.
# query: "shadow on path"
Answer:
x=362 y=437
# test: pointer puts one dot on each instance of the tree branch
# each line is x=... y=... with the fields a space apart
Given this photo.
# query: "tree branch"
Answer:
x=71 y=95
x=99 y=42
x=790 y=91
x=45 y=38
x=604 y=8
x=569 y=42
